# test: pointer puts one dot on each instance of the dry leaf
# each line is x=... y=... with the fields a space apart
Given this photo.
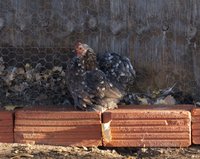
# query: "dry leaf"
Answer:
x=143 y=101
x=11 y=107
x=22 y=155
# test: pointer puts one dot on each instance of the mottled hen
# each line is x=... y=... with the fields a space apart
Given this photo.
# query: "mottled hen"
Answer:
x=89 y=86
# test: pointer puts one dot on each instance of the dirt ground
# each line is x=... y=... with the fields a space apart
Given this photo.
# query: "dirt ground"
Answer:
x=26 y=151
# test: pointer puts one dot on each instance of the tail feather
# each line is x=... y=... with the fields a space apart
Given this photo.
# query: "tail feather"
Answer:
x=113 y=93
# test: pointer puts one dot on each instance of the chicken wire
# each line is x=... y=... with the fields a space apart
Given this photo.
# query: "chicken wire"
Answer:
x=34 y=76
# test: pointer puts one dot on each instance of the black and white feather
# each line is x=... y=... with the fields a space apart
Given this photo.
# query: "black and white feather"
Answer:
x=118 y=69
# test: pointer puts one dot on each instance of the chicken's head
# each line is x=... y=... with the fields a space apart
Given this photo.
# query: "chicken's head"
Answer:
x=81 y=49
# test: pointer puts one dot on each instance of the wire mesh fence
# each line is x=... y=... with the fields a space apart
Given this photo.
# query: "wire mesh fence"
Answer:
x=33 y=78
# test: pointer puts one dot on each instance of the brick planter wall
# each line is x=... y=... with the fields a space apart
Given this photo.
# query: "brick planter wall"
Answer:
x=128 y=126
x=149 y=126
x=6 y=126
x=58 y=127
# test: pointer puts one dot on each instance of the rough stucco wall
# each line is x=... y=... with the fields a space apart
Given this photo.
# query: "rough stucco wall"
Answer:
x=160 y=36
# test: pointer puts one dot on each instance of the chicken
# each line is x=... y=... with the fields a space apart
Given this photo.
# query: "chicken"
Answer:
x=89 y=86
x=118 y=69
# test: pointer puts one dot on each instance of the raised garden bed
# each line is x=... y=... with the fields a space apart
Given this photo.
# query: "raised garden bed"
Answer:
x=127 y=126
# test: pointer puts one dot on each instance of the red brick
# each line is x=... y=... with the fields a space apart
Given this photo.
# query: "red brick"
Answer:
x=55 y=115
x=57 y=135
x=196 y=126
x=6 y=123
x=10 y=140
x=149 y=143
x=154 y=128
x=87 y=143
x=153 y=135
x=149 y=126
x=196 y=112
x=65 y=127
x=150 y=114
x=8 y=129
x=47 y=128
x=195 y=119
x=178 y=122
x=6 y=126
x=7 y=136
x=195 y=140
x=51 y=122
x=195 y=133
x=6 y=115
